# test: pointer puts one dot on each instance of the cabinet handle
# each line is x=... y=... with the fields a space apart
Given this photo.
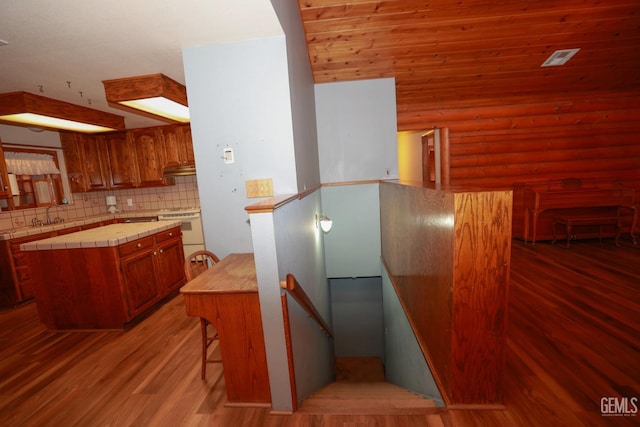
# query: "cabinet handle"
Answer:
x=139 y=245
x=155 y=253
x=161 y=250
x=170 y=234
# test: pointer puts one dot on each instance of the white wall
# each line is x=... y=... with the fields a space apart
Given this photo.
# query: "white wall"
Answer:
x=405 y=364
x=357 y=130
x=302 y=96
x=239 y=97
x=352 y=247
x=300 y=252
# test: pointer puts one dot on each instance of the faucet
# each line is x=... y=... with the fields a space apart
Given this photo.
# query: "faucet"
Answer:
x=50 y=221
x=47 y=215
x=35 y=222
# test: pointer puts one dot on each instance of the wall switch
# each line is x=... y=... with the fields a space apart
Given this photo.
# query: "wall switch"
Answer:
x=129 y=202
x=259 y=188
x=227 y=155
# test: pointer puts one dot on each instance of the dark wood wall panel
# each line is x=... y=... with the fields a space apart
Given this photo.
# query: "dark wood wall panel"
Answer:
x=535 y=140
x=447 y=252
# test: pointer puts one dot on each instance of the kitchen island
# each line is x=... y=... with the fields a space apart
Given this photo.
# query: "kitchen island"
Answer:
x=104 y=278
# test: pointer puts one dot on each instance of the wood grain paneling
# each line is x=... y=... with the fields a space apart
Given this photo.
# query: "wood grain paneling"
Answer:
x=475 y=68
x=448 y=253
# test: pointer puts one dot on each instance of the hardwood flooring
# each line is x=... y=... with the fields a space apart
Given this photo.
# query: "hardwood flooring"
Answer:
x=574 y=338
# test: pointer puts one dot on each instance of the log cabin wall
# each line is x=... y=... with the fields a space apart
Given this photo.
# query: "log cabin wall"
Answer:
x=529 y=140
x=594 y=136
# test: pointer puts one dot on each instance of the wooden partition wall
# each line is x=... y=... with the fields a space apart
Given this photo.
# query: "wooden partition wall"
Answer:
x=447 y=252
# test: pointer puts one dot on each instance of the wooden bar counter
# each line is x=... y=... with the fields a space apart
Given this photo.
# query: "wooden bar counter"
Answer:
x=227 y=296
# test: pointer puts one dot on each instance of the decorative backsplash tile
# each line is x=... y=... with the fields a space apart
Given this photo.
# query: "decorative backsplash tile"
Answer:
x=184 y=194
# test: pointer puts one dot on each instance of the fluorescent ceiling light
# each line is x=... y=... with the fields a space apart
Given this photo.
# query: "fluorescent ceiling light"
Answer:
x=559 y=57
x=153 y=95
x=26 y=109
x=162 y=107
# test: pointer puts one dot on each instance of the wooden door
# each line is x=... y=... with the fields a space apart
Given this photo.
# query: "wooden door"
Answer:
x=122 y=160
x=435 y=156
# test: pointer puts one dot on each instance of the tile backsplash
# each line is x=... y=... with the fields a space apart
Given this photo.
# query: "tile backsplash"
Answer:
x=184 y=194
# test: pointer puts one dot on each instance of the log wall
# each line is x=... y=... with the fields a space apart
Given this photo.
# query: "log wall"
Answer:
x=499 y=142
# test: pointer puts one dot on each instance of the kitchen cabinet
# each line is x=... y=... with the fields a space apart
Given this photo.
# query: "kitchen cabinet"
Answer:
x=18 y=268
x=150 y=157
x=131 y=159
x=16 y=282
x=5 y=190
x=121 y=160
x=86 y=162
x=178 y=146
x=152 y=267
x=112 y=275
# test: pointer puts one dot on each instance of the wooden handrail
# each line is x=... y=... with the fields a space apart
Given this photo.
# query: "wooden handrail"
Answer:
x=296 y=291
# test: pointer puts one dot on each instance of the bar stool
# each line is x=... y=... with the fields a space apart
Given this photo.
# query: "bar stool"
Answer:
x=194 y=265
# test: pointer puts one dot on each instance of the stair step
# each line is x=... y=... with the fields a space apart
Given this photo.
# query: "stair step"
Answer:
x=367 y=398
x=363 y=390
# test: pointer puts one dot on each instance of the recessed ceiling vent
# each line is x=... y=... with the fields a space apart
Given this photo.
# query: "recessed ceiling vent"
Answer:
x=559 y=57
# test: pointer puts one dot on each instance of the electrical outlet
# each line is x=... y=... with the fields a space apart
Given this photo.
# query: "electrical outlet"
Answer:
x=259 y=188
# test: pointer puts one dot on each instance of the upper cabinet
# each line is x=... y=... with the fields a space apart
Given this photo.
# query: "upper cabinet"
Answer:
x=149 y=150
x=86 y=162
x=178 y=147
x=122 y=160
x=136 y=158
x=5 y=191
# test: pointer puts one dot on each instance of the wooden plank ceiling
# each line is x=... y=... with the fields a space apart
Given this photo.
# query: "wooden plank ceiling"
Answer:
x=456 y=54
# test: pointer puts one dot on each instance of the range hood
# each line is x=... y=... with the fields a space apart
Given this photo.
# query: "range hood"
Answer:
x=180 y=171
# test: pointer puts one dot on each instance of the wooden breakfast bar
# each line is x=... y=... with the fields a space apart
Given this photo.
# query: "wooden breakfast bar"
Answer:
x=227 y=296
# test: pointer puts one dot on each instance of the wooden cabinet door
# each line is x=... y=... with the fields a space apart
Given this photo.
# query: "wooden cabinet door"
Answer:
x=170 y=265
x=178 y=147
x=149 y=152
x=121 y=160
x=74 y=160
x=95 y=162
x=140 y=281
x=188 y=146
x=5 y=191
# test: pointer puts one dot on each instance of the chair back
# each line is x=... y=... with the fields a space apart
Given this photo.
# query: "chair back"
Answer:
x=198 y=262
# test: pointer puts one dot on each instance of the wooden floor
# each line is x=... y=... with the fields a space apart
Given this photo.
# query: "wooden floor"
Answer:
x=574 y=338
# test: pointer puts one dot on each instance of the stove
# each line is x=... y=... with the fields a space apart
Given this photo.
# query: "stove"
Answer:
x=190 y=225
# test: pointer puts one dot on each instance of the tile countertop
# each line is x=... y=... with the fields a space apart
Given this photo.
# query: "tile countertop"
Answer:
x=14 y=233
x=109 y=235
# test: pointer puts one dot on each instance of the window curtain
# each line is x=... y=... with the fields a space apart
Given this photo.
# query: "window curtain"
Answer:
x=20 y=163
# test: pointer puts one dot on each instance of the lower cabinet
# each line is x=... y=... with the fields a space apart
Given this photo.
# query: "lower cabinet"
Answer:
x=106 y=287
x=16 y=283
x=152 y=267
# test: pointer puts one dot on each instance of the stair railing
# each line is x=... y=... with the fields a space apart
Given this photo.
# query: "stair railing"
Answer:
x=296 y=291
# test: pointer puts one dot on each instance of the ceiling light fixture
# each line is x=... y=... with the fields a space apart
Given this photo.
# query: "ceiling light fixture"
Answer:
x=26 y=109
x=152 y=95
x=559 y=57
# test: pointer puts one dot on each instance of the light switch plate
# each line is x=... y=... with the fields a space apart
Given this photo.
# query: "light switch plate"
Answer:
x=227 y=155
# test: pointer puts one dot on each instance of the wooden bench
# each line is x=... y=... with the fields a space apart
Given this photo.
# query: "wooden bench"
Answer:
x=585 y=219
